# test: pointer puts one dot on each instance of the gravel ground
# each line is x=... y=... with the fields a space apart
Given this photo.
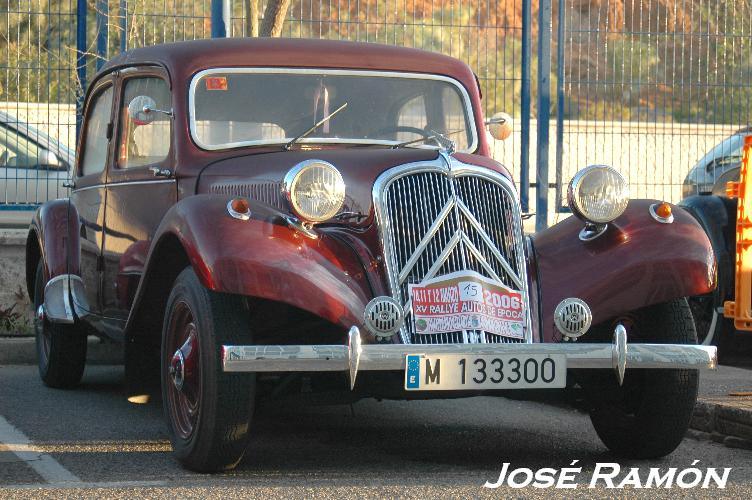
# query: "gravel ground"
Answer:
x=117 y=449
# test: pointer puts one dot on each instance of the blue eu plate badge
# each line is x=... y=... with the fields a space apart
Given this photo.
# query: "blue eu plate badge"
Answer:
x=412 y=380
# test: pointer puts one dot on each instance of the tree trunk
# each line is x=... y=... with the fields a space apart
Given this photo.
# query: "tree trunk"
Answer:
x=251 y=18
x=274 y=17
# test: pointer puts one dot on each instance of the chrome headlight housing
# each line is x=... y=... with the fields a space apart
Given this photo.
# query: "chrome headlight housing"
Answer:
x=598 y=194
x=315 y=190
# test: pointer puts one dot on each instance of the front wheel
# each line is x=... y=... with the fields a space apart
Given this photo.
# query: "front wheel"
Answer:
x=712 y=327
x=208 y=411
x=649 y=415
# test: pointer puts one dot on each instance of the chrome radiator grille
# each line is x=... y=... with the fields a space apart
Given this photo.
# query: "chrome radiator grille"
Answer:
x=434 y=222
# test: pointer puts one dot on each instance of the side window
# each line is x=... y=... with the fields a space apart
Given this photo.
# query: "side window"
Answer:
x=144 y=142
x=95 y=138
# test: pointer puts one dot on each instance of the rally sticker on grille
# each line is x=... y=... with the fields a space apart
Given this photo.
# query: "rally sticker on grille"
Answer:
x=466 y=300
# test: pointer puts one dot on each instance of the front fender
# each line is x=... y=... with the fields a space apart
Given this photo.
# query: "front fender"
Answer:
x=637 y=262
x=263 y=257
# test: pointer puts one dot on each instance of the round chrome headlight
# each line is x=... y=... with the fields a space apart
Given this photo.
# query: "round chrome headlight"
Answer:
x=315 y=190
x=598 y=194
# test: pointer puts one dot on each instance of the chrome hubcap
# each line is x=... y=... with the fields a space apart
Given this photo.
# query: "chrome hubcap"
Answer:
x=177 y=369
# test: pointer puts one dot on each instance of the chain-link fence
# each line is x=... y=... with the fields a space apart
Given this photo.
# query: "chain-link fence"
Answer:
x=38 y=89
x=649 y=87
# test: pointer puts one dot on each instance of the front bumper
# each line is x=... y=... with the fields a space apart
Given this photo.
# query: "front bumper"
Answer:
x=355 y=356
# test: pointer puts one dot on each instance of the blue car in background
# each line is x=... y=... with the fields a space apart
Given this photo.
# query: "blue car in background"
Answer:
x=33 y=167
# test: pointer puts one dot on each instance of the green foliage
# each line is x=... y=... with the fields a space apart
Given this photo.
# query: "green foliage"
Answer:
x=13 y=322
x=683 y=61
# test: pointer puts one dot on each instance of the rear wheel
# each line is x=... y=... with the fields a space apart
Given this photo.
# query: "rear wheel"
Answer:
x=648 y=416
x=61 y=350
x=208 y=411
x=707 y=310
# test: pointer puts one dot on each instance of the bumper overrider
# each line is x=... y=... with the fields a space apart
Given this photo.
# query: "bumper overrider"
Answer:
x=356 y=356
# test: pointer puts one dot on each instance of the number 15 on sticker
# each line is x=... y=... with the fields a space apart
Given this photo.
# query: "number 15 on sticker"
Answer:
x=471 y=291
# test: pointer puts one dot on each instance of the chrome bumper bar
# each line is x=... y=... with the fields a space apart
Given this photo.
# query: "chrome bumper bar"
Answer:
x=355 y=356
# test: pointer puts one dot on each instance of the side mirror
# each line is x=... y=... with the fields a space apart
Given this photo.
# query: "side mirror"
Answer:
x=142 y=110
x=500 y=126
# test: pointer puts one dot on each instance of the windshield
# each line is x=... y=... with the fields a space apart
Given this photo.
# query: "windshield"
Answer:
x=242 y=107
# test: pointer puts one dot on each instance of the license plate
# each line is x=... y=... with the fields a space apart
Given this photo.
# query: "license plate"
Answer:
x=456 y=372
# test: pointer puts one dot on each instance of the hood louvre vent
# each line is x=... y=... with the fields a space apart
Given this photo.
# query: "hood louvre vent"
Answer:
x=265 y=192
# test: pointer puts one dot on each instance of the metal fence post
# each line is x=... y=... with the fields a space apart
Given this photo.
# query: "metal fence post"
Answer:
x=218 y=29
x=103 y=13
x=123 y=25
x=525 y=107
x=544 y=111
x=559 y=103
x=80 y=61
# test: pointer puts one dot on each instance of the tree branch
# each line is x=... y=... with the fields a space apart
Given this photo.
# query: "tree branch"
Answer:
x=274 y=17
x=251 y=18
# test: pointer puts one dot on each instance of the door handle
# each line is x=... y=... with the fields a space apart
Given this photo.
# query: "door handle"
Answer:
x=161 y=172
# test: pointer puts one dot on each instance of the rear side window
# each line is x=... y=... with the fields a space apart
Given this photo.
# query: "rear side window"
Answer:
x=95 y=138
x=144 y=142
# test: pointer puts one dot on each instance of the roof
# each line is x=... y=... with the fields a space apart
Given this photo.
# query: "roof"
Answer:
x=186 y=58
x=183 y=60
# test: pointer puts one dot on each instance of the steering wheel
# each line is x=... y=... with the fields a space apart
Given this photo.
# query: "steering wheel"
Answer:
x=405 y=128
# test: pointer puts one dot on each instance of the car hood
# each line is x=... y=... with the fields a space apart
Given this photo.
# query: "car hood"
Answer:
x=259 y=176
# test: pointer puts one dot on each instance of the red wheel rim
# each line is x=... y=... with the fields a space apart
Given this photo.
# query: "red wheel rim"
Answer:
x=183 y=374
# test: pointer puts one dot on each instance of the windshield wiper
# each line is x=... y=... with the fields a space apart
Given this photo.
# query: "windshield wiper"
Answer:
x=444 y=141
x=315 y=126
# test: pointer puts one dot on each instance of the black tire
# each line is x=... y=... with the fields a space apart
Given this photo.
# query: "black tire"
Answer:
x=649 y=415
x=717 y=217
x=209 y=414
x=61 y=350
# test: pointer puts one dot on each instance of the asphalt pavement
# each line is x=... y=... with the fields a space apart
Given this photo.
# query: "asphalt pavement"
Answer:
x=91 y=441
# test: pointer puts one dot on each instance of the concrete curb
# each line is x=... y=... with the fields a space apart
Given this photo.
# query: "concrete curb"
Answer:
x=23 y=351
x=13 y=237
x=727 y=421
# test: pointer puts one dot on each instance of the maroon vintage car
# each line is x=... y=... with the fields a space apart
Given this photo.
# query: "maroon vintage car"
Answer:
x=286 y=216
